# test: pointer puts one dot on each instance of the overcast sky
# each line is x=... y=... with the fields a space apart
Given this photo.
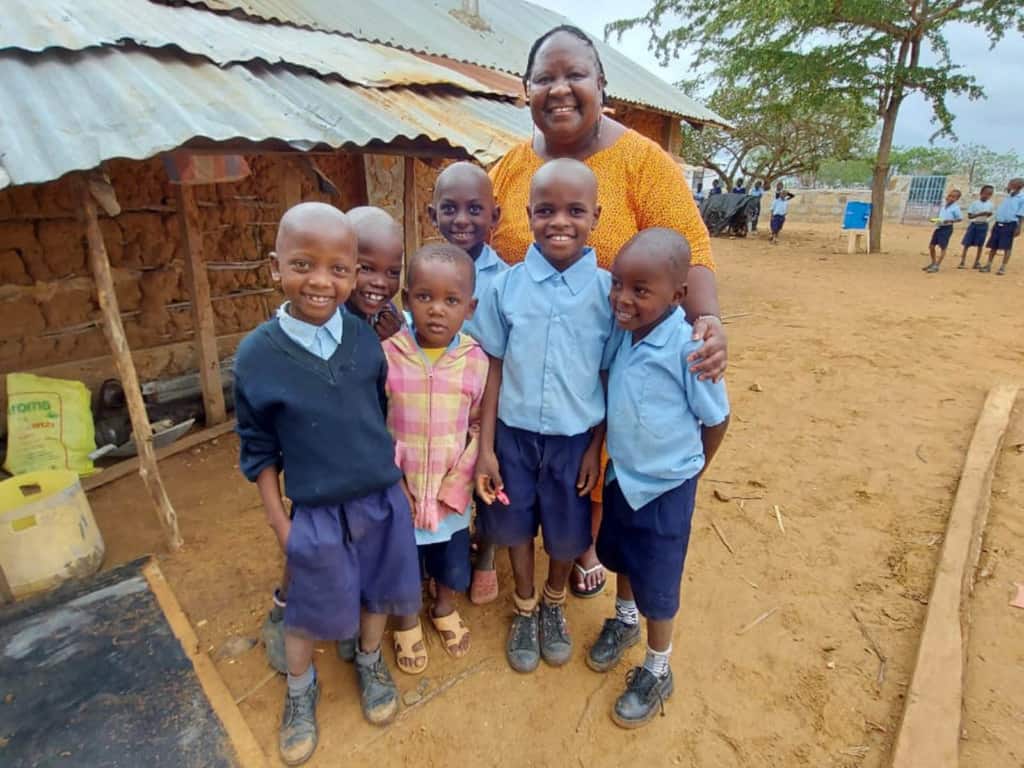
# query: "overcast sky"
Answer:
x=996 y=121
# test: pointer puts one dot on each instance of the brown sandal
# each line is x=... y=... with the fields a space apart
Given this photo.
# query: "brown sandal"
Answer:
x=410 y=650
x=453 y=632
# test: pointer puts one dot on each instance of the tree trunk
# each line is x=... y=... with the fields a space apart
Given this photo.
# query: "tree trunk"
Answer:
x=880 y=176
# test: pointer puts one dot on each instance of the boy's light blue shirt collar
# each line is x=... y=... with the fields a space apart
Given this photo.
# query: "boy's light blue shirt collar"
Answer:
x=305 y=333
x=577 y=277
x=488 y=258
x=660 y=334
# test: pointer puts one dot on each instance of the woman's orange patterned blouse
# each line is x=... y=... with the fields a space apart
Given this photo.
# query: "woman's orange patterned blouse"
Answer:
x=639 y=186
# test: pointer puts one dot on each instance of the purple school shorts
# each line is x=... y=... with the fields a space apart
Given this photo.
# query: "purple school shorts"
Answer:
x=648 y=545
x=360 y=554
x=540 y=473
x=975 y=234
x=1002 y=236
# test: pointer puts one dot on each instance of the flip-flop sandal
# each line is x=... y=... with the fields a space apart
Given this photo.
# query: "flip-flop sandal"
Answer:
x=453 y=632
x=594 y=591
x=484 y=588
x=410 y=650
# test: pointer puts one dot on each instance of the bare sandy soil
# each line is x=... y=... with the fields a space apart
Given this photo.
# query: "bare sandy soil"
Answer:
x=856 y=382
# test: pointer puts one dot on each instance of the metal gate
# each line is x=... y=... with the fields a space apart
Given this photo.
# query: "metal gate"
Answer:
x=924 y=197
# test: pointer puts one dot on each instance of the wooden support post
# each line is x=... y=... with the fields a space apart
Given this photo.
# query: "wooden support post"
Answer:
x=202 y=308
x=930 y=732
x=410 y=212
x=114 y=331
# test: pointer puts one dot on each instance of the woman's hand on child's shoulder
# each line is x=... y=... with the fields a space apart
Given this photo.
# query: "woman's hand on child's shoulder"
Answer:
x=710 y=361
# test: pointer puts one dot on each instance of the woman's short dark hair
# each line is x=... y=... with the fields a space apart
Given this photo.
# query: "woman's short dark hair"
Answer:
x=576 y=32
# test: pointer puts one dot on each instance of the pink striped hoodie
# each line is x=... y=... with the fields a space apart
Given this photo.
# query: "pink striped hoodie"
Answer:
x=434 y=416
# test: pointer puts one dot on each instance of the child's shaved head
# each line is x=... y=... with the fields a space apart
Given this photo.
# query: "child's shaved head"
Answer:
x=461 y=175
x=307 y=221
x=374 y=225
x=663 y=245
x=445 y=253
x=568 y=170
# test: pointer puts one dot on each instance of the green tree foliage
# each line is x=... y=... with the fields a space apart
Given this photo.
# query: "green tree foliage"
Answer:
x=870 y=50
x=777 y=133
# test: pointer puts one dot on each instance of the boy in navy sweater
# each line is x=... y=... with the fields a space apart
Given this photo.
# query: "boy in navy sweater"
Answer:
x=309 y=394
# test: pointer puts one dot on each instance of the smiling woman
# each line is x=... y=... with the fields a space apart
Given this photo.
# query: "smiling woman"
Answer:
x=639 y=186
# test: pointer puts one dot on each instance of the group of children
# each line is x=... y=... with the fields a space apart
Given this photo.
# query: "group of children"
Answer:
x=503 y=380
x=1007 y=226
x=779 y=206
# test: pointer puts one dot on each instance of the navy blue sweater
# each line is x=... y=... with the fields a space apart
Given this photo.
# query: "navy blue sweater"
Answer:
x=321 y=421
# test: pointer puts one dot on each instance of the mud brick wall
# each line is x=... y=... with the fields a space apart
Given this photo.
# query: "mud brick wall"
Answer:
x=653 y=125
x=48 y=305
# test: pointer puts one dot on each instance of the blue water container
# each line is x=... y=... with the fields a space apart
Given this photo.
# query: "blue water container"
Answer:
x=856 y=215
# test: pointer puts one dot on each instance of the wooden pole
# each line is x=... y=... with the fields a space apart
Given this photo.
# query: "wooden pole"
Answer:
x=292 y=183
x=202 y=308
x=114 y=331
x=410 y=218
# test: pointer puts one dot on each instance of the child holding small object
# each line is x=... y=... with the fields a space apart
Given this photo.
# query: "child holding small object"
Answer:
x=948 y=213
x=435 y=386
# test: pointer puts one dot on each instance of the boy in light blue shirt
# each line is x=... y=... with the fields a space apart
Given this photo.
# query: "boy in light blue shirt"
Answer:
x=948 y=214
x=1009 y=216
x=545 y=324
x=978 y=214
x=780 y=207
x=664 y=427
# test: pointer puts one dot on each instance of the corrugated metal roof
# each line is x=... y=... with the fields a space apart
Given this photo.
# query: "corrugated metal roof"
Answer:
x=39 y=25
x=72 y=111
x=428 y=26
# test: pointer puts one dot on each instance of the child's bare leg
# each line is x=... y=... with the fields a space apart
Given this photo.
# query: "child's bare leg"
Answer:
x=1006 y=260
x=371 y=630
x=403 y=623
x=298 y=651
x=659 y=635
x=963 y=256
x=445 y=602
x=942 y=255
x=378 y=694
x=558 y=575
x=521 y=557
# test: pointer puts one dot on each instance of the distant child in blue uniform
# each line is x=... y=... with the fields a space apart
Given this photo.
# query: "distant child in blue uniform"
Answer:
x=1009 y=216
x=464 y=211
x=739 y=189
x=309 y=396
x=780 y=207
x=545 y=324
x=948 y=214
x=379 y=269
x=979 y=212
x=664 y=427
x=757 y=192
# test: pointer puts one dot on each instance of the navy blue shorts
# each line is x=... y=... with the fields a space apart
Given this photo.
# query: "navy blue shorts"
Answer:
x=360 y=554
x=648 y=545
x=941 y=235
x=540 y=473
x=776 y=223
x=447 y=562
x=1001 y=238
x=975 y=234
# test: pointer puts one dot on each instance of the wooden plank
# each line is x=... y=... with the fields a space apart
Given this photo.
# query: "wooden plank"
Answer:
x=126 y=467
x=247 y=748
x=929 y=734
x=292 y=184
x=202 y=307
x=410 y=220
x=99 y=263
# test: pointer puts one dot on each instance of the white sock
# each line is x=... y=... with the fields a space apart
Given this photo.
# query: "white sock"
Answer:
x=626 y=612
x=656 y=662
x=299 y=684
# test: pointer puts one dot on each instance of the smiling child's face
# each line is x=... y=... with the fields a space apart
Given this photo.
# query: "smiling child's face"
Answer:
x=952 y=197
x=314 y=261
x=439 y=295
x=463 y=208
x=563 y=210
x=647 y=283
x=378 y=260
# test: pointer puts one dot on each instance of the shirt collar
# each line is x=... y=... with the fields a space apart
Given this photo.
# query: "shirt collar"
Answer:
x=659 y=335
x=488 y=258
x=576 y=277
x=305 y=332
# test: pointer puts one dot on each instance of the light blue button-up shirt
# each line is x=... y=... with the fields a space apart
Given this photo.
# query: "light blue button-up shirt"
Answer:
x=656 y=408
x=950 y=213
x=550 y=328
x=780 y=206
x=320 y=340
x=1010 y=209
x=488 y=266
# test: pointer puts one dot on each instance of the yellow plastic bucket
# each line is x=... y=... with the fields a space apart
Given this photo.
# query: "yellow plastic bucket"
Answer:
x=47 y=531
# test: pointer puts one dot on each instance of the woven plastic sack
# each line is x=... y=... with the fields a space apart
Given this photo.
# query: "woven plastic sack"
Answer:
x=49 y=425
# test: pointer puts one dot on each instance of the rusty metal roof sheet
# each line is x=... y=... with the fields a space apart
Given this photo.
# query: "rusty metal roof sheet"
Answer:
x=40 y=25
x=65 y=111
x=433 y=26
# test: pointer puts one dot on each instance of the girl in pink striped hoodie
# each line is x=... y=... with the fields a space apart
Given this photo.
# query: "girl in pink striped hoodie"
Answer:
x=435 y=386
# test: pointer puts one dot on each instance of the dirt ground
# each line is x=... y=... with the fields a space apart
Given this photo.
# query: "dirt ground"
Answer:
x=855 y=382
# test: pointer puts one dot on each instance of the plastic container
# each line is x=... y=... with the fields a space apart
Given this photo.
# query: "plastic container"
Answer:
x=47 y=531
x=856 y=215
